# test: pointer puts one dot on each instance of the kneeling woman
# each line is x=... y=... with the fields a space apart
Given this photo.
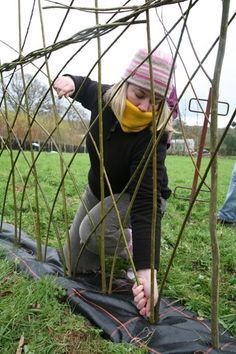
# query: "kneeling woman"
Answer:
x=127 y=122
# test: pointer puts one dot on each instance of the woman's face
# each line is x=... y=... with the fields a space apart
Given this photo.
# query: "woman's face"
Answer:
x=141 y=98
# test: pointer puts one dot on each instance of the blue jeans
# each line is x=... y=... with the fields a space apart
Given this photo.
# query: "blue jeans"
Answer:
x=228 y=210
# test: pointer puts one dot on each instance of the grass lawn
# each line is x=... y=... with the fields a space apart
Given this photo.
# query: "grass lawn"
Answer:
x=28 y=307
x=34 y=319
x=190 y=276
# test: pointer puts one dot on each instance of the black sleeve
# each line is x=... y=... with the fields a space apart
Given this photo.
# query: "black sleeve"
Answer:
x=141 y=213
x=165 y=190
x=86 y=91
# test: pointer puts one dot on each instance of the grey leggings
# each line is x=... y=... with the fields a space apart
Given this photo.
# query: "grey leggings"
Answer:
x=83 y=226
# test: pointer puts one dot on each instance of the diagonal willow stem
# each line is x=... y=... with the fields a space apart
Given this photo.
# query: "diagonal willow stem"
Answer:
x=154 y=173
x=55 y=114
x=179 y=42
x=36 y=217
x=9 y=133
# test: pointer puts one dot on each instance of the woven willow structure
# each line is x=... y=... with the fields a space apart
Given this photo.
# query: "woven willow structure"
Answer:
x=86 y=40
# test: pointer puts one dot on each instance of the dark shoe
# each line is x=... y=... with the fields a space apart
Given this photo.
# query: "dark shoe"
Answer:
x=225 y=223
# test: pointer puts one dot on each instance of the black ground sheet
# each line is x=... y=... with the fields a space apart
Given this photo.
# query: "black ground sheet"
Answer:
x=178 y=331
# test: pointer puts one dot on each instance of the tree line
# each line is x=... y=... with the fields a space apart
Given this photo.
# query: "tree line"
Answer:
x=228 y=148
x=28 y=97
x=28 y=102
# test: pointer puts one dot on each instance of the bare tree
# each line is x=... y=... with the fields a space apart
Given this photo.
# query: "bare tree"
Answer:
x=31 y=91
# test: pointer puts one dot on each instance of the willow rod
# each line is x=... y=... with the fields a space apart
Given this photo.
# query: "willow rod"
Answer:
x=58 y=137
x=102 y=192
x=36 y=217
x=154 y=174
x=83 y=35
x=215 y=282
x=9 y=134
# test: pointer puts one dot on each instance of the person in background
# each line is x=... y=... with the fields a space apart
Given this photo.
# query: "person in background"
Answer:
x=127 y=133
x=227 y=213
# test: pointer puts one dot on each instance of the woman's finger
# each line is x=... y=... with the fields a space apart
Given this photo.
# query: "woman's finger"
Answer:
x=143 y=311
x=139 y=297
x=141 y=304
x=138 y=289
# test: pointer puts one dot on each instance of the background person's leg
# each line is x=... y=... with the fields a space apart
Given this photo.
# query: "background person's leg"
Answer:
x=228 y=210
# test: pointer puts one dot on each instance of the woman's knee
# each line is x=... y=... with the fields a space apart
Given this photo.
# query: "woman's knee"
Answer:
x=89 y=235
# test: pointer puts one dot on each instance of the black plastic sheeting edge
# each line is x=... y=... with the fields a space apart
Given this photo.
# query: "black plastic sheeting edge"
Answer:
x=178 y=331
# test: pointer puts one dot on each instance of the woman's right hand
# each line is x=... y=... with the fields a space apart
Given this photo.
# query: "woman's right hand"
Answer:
x=142 y=292
x=64 y=86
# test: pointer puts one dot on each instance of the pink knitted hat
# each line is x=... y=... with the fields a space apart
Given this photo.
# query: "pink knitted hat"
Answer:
x=140 y=75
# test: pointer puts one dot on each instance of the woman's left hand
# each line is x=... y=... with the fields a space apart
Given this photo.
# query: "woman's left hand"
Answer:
x=142 y=292
x=64 y=86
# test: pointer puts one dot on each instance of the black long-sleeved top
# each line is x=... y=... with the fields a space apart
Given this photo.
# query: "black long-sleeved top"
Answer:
x=122 y=154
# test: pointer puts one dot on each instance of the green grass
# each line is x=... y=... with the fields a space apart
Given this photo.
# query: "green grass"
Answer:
x=189 y=279
x=49 y=177
x=190 y=276
x=32 y=313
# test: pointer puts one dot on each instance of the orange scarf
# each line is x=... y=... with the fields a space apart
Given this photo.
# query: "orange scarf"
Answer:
x=134 y=120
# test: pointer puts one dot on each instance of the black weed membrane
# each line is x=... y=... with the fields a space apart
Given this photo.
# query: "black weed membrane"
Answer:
x=178 y=331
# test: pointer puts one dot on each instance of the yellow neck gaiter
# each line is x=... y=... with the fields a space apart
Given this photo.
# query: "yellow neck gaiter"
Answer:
x=133 y=119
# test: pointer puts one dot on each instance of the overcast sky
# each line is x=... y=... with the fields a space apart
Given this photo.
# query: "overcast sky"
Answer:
x=203 y=25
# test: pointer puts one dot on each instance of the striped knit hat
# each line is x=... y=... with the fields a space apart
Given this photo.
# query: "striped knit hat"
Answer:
x=140 y=75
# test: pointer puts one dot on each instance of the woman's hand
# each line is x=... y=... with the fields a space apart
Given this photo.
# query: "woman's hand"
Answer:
x=64 y=86
x=142 y=292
